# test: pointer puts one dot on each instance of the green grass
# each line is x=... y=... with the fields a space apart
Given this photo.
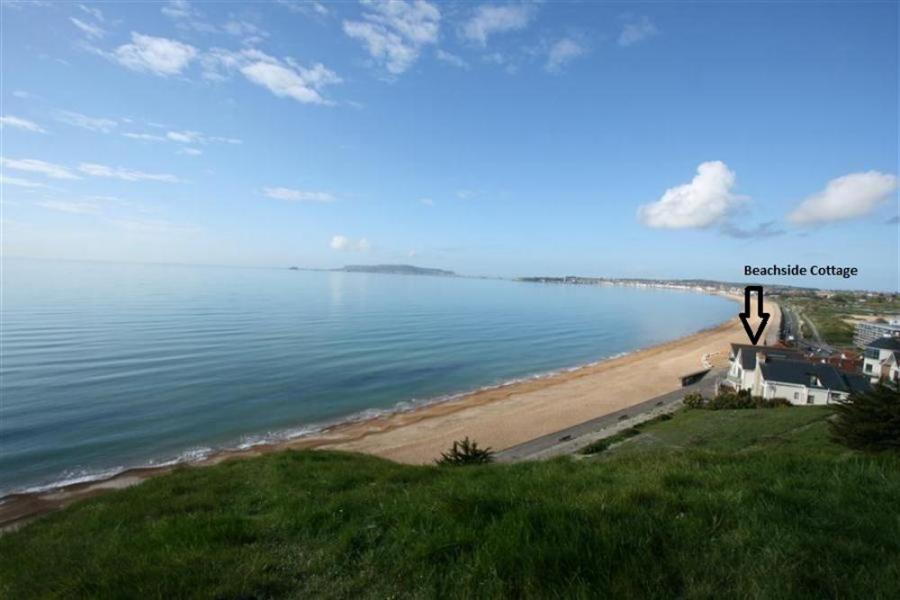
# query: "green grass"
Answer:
x=711 y=504
x=796 y=429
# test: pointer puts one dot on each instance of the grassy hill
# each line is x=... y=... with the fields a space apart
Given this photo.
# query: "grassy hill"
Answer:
x=708 y=504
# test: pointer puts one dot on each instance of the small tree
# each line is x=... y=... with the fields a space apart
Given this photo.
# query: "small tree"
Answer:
x=466 y=453
x=869 y=420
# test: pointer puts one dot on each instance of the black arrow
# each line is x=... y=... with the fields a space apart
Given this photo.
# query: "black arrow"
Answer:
x=745 y=316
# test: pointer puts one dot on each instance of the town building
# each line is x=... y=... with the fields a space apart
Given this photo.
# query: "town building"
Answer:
x=879 y=360
x=774 y=372
x=869 y=331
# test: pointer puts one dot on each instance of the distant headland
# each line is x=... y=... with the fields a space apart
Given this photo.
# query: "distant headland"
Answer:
x=388 y=269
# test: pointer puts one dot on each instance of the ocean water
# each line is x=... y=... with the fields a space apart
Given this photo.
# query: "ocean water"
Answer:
x=107 y=366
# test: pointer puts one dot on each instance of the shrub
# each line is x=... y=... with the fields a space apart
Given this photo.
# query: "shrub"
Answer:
x=694 y=400
x=741 y=399
x=465 y=453
x=602 y=444
x=869 y=420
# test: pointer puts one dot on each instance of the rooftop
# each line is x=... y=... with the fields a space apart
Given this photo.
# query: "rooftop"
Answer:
x=800 y=372
x=885 y=343
x=748 y=354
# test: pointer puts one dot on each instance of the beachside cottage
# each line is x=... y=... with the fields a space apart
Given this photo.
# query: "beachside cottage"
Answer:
x=880 y=359
x=742 y=374
x=773 y=372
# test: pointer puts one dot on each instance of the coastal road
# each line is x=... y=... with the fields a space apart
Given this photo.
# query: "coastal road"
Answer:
x=569 y=440
x=793 y=320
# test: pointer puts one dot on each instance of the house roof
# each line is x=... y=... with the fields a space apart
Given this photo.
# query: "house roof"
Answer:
x=748 y=354
x=885 y=343
x=799 y=372
x=857 y=382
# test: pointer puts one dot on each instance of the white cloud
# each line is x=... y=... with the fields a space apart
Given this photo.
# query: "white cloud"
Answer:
x=292 y=195
x=75 y=208
x=38 y=166
x=395 y=31
x=339 y=242
x=89 y=29
x=636 y=30
x=427 y=201
x=25 y=183
x=225 y=140
x=561 y=53
x=286 y=79
x=283 y=81
x=305 y=6
x=186 y=17
x=177 y=9
x=19 y=123
x=184 y=137
x=451 y=59
x=85 y=122
x=706 y=200
x=847 y=197
x=490 y=19
x=160 y=56
x=93 y=11
x=97 y=170
x=190 y=151
x=343 y=244
x=252 y=34
x=147 y=137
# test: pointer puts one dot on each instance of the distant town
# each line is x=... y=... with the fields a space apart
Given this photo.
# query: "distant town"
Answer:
x=841 y=337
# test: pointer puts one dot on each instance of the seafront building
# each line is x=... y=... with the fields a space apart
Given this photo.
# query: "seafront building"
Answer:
x=869 y=331
x=881 y=359
x=774 y=372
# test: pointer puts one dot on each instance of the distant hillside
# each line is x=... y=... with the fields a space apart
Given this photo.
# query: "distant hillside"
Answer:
x=397 y=270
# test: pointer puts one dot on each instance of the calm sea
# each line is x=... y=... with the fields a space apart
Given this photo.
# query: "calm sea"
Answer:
x=106 y=366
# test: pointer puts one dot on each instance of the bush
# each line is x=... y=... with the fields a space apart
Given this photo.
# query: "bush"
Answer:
x=465 y=453
x=694 y=400
x=869 y=420
x=728 y=400
x=602 y=444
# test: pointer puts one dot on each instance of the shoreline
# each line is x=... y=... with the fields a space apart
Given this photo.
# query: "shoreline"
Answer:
x=411 y=435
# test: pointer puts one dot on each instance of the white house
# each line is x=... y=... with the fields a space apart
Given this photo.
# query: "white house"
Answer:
x=784 y=373
x=891 y=368
x=879 y=360
x=803 y=382
x=743 y=375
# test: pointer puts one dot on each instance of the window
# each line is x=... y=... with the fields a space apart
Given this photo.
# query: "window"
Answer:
x=868 y=367
x=796 y=395
x=810 y=399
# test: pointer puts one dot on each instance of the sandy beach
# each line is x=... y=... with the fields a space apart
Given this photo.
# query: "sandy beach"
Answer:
x=500 y=417
x=519 y=412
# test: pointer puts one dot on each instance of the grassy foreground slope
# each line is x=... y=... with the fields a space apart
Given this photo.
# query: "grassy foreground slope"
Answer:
x=709 y=504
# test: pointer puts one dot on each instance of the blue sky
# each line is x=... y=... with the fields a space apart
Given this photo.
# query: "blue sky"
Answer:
x=620 y=139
